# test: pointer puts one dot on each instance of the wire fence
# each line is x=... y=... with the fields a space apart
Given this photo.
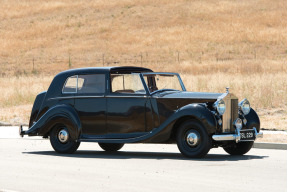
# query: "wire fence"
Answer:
x=37 y=64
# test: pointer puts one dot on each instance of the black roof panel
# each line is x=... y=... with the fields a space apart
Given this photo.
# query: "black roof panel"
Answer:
x=126 y=69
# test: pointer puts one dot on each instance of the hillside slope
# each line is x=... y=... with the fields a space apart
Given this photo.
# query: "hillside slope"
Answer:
x=93 y=33
x=214 y=44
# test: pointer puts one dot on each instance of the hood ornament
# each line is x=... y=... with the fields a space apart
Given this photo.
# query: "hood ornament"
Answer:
x=227 y=89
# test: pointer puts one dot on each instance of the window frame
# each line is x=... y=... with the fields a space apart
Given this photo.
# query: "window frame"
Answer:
x=127 y=94
x=105 y=88
x=159 y=73
x=63 y=92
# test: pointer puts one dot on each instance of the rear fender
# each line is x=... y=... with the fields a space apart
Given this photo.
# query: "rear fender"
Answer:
x=36 y=107
x=59 y=114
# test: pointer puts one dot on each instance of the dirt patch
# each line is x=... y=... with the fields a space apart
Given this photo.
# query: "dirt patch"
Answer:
x=273 y=138
x=273 y=119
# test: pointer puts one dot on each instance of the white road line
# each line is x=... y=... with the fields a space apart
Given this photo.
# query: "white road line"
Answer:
x=6 y=190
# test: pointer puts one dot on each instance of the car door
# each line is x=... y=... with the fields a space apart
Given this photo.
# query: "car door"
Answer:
x=128 y=107
x=90 y=103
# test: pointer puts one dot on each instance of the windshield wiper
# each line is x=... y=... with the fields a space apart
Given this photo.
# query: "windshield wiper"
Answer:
x=161 y=90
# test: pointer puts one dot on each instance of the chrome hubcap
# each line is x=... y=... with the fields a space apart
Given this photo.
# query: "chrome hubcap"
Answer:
x=63 y=136
x=192 y=139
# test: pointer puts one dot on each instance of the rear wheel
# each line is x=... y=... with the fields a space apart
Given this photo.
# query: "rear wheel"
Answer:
x=239 y=148
x=111 y=146
x=193 y=140
x=61 y=141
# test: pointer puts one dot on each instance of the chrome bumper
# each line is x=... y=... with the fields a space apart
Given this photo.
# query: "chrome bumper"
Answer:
x=236 y=136
x=21 y=132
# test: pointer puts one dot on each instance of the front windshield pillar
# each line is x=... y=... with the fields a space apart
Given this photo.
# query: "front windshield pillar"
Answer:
x=158 y=82
x=145 y=85
x=181 y=82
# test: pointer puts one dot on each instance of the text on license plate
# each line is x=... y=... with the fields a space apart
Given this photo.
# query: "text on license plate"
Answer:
x=245 y=135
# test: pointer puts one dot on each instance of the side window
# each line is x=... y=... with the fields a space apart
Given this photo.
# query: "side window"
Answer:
x=70 y=85
x=91 y=83
x=85 y=84
x=127 y=83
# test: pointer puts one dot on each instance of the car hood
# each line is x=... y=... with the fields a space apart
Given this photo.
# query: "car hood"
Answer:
x=188 y=95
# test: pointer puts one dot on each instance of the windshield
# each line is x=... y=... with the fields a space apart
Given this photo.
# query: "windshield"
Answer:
x=162 y=82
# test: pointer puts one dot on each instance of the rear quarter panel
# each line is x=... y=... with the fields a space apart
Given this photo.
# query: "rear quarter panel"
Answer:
x=36 y=107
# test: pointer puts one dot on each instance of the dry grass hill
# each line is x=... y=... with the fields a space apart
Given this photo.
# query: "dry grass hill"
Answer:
x=212 y=43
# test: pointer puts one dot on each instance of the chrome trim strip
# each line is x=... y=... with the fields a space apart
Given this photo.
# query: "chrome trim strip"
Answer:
x=99 y=96
x=229 y=137
x=152 y=73
x=77 y=97
x=258 y=135
x=126 y=96
x=236 y=137
x=195 y=98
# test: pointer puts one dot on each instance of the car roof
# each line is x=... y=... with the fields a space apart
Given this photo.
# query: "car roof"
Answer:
x=88 y=70
x=58 y=81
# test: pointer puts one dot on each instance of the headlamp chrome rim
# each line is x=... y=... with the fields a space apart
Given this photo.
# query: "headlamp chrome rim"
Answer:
x=220 y=106
x=244 y=106
x=238 y=123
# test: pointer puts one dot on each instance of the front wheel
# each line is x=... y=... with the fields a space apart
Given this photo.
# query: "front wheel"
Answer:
x=193 y=140
x=111 y=146
x=239 y=148
x=61 y=141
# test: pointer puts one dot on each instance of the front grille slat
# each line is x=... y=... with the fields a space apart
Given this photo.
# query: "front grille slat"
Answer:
x=231 y=113
x=234 y=112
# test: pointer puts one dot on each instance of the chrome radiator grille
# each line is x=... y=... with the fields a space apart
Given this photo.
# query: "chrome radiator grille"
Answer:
x=231 y=113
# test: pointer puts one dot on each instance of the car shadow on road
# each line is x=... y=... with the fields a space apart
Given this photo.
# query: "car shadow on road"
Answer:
x=144 y=155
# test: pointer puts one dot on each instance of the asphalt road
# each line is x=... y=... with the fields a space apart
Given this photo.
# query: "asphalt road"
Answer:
x=32 y=165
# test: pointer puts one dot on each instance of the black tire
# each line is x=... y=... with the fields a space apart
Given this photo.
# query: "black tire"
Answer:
x=239 y=148
x=69 y=146
x=191 y=148
x=111 y=146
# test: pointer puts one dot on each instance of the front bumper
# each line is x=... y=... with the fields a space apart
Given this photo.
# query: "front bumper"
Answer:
x=21 y=132
x=236 y=137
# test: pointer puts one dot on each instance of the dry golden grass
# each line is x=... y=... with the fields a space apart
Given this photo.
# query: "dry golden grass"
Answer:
x=212 y=43
x=18 y=94
x=227 y=34
x=22 y=90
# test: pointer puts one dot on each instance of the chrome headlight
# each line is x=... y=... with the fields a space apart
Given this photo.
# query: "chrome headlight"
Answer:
x=244 y=106
x=238 y=123
x=219 y=106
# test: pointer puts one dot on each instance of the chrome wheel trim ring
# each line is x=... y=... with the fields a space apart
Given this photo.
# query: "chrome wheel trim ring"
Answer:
x=63 y=136
x=192 y=139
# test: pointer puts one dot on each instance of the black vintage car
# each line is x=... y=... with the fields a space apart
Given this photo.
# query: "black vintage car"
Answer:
x=118 y=105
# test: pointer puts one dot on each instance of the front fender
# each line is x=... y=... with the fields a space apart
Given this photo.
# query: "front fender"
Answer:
x=59 y=114
x=200 y=113
x=192 y=111
x=252 y=120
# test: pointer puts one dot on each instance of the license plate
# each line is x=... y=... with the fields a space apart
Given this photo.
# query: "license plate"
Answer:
x=247 y=135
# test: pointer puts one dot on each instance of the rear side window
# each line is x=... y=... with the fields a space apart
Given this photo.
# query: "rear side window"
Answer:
x=91 y=83
x=70 y=85
x=85 y=84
